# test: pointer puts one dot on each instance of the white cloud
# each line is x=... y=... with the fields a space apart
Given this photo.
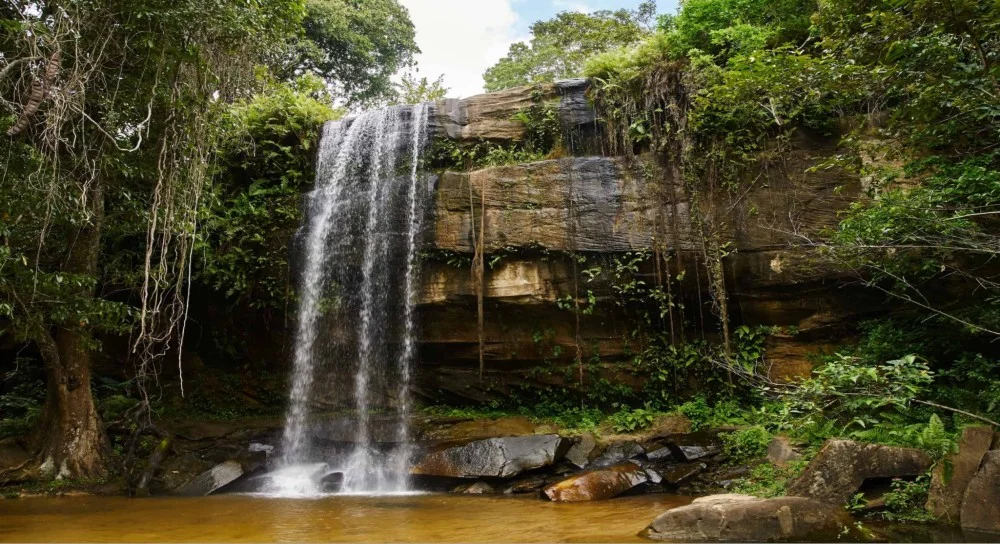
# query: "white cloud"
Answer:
x=461 y=39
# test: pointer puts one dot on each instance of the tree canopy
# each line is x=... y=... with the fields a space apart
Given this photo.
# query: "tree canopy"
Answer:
x=560 y=46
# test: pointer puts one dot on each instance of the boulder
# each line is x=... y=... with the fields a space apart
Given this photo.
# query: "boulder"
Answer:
x=742 y=518
x=680 y=474
x=213 y=479
x=619 y=451
x=981 y=505
x=477 y=488
x=580 y=452
x=660 y=454
x=495 y=457
x=598 y=484
x=951 y=478
x=531 y=484
x=780 y=451
x=693 y=446
x=841 y=466
x=332 y=482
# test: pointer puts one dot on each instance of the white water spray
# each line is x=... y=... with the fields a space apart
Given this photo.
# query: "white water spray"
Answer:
x=355 y=341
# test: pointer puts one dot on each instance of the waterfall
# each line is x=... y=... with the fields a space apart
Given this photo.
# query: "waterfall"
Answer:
x=355 y=340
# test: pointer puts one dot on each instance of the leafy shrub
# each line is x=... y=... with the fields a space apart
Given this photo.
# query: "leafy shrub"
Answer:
x=704 y=416
x=906 y=501
x=746 y=444
x=766 y=480
x=626 y=421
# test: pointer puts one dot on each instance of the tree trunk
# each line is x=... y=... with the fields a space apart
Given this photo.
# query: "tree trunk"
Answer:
x=73 y=442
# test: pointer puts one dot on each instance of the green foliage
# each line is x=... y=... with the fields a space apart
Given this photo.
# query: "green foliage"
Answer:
x=410 y=90
x=767 y=481
x=746 y=444
x=22 y=397
x=266 y=163
x=356 y=46
x=559 y=47
x=907 y=500
x=705 y=416
x=630 y=420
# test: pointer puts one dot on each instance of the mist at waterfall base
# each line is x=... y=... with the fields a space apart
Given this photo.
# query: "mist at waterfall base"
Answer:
x=355 y=337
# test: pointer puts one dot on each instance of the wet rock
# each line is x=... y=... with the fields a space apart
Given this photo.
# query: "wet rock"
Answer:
x=580 y=452
x=598 y=484
x=213 y=479
x=841 y=466
x=951 y=478
x=332 y=482
x=527 y=485
x=654 y=475
x=693 y=446
x=981 y=504
x=780 y=451
x=660 y=454
x=495 y=457
x=681 y=474
x=477 y=488
x=618 y=452
x=742 y=518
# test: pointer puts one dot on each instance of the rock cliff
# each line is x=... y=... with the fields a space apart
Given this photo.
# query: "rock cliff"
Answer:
x=546 y=223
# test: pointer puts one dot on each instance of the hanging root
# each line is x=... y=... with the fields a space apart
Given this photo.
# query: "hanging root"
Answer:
x=39 y=92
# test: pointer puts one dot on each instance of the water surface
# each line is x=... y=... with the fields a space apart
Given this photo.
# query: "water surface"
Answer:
x=240 y=518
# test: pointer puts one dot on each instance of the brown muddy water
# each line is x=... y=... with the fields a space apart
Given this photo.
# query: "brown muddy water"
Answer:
x=242 y=518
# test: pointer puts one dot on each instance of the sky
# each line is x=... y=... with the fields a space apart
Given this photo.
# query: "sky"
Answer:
x=462 y=38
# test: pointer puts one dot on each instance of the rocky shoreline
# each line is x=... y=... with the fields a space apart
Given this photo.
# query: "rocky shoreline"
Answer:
x=513 y=456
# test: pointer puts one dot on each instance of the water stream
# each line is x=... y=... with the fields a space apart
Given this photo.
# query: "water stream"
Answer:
x=355 y=340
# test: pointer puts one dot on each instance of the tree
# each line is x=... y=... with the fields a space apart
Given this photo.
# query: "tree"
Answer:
x=560 y=46
x=356 y=46
x=113 y=114
x=413 y=91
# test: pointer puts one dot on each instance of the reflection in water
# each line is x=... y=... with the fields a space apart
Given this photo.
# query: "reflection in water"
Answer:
x=425 y=518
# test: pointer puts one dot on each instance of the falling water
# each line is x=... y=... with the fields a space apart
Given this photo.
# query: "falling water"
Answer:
x=356 y=334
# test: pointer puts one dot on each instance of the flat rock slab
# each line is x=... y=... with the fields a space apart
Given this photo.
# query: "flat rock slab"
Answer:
x=212 y=479
x=680 y=474
x=981 y=505
x=580 y=452
x=619 y=451
x=598 y=484
x=951 y=478
x=742 y=518
x=494 y=457
x=693 y=446
x=841 y=466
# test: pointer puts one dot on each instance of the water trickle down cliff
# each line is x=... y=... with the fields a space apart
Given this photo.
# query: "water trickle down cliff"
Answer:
x=356 y=336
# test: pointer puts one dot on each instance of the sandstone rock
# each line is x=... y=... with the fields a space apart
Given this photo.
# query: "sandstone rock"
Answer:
x=951 y=477
x=579 y=453
x=996 y=442
x=598 y=484
x=742 y=518
x=495 y=457
x=841 y=466
x=682 y=473
x=213 y=479
x=981 y=505
x=780 y=451
x=693 y=446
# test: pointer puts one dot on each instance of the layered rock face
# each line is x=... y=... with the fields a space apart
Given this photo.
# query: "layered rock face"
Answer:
x=545 y=224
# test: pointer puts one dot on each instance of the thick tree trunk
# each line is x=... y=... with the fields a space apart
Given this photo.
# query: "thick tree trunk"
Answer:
x=72 y=438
